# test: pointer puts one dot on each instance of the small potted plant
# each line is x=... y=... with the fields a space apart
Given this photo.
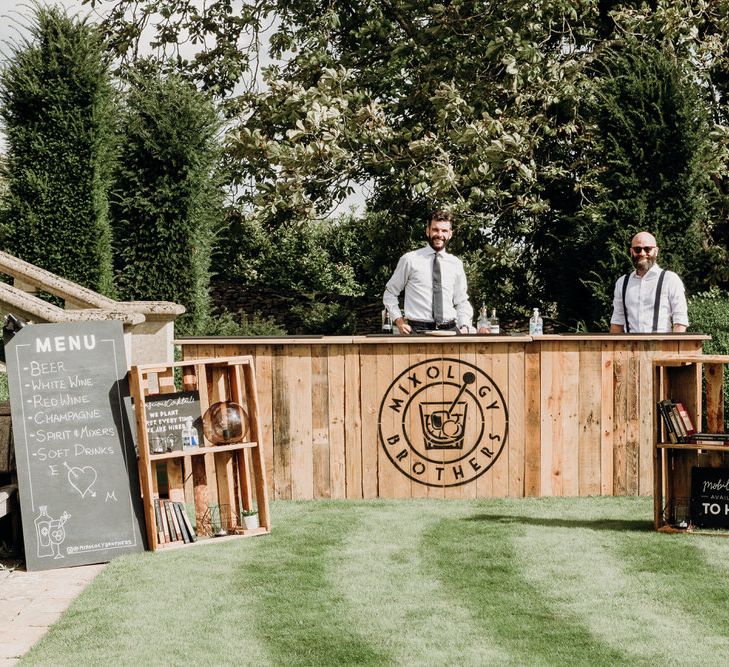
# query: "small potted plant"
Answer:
x=250 y=518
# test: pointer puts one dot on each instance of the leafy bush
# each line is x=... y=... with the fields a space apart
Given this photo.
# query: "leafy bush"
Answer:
x=709 y=313
x=228 y=324
x=317 y=317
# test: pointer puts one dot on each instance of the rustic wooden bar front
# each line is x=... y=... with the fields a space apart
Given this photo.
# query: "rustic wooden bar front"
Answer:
x=455 y=417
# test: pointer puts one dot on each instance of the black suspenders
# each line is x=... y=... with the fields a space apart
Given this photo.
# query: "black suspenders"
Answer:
x=656 y=305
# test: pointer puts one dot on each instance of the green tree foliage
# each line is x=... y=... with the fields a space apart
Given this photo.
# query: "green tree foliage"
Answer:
x=166 y=197
x=58 y=108
x=480 y=106
x=648 y=158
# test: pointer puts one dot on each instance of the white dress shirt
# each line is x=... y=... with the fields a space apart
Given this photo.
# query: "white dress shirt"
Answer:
x=641 y=297
x=414 y=274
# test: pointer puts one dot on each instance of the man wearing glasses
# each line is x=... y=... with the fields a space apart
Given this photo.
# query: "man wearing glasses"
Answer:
x=650 y=299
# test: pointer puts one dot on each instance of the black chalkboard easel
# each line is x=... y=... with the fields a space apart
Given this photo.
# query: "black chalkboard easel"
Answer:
x=77 y=472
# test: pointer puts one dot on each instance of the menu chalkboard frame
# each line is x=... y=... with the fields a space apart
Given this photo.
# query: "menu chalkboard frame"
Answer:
x=77 y=476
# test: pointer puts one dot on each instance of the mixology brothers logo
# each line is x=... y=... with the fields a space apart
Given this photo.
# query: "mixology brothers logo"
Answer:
x=443 y=422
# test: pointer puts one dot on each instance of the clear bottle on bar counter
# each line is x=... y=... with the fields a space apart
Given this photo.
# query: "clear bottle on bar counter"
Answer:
x=536 y=326
x=495 y=328
x=483 y=326
x=386 y=322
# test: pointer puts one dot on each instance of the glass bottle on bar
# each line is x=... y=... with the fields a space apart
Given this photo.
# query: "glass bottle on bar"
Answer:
x=386 y=322
x=495 y=328
x=536 y=326
x=483 y=326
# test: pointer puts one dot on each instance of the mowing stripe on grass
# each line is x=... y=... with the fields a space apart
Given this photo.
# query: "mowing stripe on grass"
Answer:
x=388 y=581
x=675 y=571
x=479 y=560
x=583 y=578
x=300 y=612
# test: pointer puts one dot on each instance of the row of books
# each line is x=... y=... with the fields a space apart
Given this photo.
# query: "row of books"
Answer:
x=676 y=421
x=679 y=427
x=173 y=524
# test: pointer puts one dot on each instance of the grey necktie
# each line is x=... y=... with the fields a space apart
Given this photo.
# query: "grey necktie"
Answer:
x=437 y=291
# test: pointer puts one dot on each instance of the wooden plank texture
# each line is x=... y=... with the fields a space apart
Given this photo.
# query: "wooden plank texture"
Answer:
x=589 y=419
x=581 y=415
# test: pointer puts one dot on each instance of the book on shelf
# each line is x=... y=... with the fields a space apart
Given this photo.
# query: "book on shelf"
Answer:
x=158 y=522
x=187 y=522
x=165 y=525
x=686 y=419
x=669 y=426
x=174 y=530
x=177 y=513
x=702 y=437
x=678 y=422
x=707 y=441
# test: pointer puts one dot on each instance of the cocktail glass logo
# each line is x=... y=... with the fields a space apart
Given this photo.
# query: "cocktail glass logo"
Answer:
x=443 y=422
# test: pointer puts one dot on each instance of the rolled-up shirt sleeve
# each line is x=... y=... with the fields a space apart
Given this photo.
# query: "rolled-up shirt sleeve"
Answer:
x=464 y=310
x=677 y=299
x=618 y=310
x=394 y=288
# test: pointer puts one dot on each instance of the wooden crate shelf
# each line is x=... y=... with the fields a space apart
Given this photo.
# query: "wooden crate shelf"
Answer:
x=228 y=475
x=682 y=379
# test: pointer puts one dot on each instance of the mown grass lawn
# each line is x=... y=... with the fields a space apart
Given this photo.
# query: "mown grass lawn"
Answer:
x=555 y=581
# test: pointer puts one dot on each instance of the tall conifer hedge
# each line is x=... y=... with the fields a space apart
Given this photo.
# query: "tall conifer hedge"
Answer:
x=166 y=201
x=57 y=106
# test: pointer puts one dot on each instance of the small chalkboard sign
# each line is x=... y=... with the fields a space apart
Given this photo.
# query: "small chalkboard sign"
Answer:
x=77 y=473
x=710 y=497
x=167 y=416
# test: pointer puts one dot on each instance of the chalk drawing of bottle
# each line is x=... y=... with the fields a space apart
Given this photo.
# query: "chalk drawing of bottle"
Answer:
x=43 y=532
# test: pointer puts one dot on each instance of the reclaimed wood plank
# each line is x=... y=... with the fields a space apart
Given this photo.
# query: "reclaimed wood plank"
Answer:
x=632 y=424
x=589 y=418
x=320 y=422
x=438 y=394
x=548 y=427
x=281 y=413
x=257 y=455
x=532 y=421
x=607 y=422
x=499 y=471
x=620 y=422
x=515 y=443
x=398 y=423
x=225 y=476
x=368 y=357
x=485 y=361
x=466 y=354
x=352 y=423
x=419 y=353
x=263 y=367
x=647 y=427
x=298 y=381
x=392 y=482
x=337 y=462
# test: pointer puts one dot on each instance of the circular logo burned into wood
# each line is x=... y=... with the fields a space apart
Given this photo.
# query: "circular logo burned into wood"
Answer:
x=443 y=422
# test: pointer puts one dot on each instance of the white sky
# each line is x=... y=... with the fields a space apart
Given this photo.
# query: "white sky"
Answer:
x=13 y=16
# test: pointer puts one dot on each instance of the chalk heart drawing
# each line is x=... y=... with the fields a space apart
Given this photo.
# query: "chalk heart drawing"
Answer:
x=82 y=479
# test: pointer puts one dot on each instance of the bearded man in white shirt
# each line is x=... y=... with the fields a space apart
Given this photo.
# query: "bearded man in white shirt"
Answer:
x=436 y=291
x=650 y=299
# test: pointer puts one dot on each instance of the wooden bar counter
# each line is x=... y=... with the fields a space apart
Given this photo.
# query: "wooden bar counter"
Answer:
x=455 y=417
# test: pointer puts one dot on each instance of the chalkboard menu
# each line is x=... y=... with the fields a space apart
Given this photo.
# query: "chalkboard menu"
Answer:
x=710 y=497
x=77 y=473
